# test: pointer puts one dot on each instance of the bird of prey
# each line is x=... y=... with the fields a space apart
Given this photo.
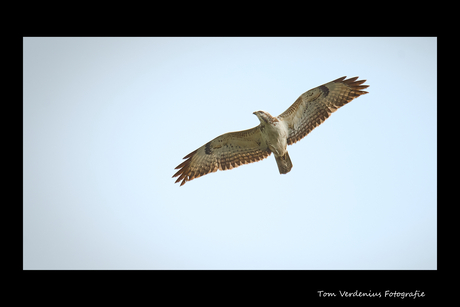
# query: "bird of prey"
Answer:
x=273 y=134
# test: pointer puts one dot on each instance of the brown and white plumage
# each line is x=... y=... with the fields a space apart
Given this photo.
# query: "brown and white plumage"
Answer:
x=313 y=107
x=224 y=152
x=273 y=134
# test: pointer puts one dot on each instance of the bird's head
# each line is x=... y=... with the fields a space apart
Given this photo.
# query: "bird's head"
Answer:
x=261 y=115
x=265 y=117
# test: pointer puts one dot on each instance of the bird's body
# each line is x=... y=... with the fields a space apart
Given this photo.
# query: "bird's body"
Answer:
x=273 y=134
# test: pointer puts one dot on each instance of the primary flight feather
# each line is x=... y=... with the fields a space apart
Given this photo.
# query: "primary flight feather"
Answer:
x=273 y=134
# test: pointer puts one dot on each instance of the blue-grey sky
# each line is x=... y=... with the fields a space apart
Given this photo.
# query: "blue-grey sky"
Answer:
x=106 y=121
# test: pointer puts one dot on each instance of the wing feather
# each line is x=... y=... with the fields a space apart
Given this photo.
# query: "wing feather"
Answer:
x=225 y=152
x=313 y=107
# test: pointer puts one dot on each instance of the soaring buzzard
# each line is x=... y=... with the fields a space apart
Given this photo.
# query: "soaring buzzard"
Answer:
x=273 y=134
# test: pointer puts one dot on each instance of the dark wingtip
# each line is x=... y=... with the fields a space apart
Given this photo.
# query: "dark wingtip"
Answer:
x=339 y=79
x=183 y=169
x=356 y=85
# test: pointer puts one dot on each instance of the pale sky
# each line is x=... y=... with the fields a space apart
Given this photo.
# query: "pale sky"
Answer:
x=106 y=121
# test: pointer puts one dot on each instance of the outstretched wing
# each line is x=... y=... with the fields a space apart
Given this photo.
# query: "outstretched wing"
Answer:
x=224 y=152
x=313 y=107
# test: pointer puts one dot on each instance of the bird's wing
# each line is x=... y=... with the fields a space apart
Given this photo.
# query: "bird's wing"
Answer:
x=313 y=107
x=222 y=153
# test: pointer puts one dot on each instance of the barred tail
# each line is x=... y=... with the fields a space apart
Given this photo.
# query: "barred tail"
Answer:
x=284 y=163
